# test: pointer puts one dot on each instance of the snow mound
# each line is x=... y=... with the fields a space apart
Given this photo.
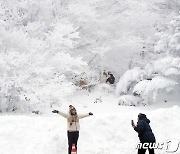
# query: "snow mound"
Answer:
x=148 y=87
x=129 y=100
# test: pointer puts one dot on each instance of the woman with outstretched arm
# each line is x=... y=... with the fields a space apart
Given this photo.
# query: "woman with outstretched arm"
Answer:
x=73 y=125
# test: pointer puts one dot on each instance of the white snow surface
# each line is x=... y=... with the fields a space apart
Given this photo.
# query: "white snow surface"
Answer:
x=108 y=131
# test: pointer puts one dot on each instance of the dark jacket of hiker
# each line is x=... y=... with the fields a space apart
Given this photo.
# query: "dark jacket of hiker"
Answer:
x=144 y=130
x=111 y=79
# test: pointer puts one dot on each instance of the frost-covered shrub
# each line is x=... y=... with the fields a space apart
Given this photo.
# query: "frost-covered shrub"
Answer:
x=126 y=81
x=163 y=43
x=167 y=66
x=169 y=40
x=160 y=74
x=150 y=88
x=41 y=82
x=35 y=59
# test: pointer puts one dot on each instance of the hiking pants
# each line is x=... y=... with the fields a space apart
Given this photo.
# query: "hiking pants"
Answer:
x=72 y=139
x=143 y=151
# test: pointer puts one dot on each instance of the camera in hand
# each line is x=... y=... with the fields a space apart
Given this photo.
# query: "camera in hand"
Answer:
x=132 y=122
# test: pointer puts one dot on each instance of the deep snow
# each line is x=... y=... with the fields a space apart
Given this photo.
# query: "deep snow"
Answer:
x=108 y=131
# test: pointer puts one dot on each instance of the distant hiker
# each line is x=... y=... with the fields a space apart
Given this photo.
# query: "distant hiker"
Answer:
x=111 y=78
x=145 y=133
x=73 y=126
x=103 y=77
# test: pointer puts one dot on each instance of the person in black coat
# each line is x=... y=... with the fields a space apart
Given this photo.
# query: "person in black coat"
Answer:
x=111 y=78
x=145 y=133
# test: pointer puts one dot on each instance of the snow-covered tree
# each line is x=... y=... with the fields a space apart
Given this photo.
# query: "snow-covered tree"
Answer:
x=35 y=60
x=40 y=44
x=129 y=78
x=163 y=72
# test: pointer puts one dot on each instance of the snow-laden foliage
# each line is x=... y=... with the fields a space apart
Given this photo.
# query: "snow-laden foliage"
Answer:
x=150 y=88
x=162 y=44
x=169 y=63
x=34 y=60
x=169 y=41
x=129 y=78
x=167 y=66
x=160 y=74
x=106 y=28
x=40 y=44
x=110 y=37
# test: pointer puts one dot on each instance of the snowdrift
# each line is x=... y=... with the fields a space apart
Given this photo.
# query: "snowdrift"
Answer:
x=108 y=131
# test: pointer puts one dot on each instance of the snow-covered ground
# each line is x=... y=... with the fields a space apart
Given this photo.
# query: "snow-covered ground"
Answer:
x=108 y=131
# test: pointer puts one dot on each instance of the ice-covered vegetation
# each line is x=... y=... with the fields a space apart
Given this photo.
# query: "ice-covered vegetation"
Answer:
x=48 y=48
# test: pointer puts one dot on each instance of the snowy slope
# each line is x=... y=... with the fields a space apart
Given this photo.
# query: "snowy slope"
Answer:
x=28 y=134
x=108 y=131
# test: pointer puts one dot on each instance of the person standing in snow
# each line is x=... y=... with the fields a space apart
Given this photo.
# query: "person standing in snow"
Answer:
x=145 y=133
x=111 y=78
x=73 y=125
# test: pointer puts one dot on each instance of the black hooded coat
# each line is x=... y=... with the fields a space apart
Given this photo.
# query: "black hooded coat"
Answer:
x=144 y=130
x=111 y=79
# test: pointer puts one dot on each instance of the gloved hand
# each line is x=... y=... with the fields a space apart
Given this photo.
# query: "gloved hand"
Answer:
x=132 y=123
x=55 y=111
x=90 y=113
